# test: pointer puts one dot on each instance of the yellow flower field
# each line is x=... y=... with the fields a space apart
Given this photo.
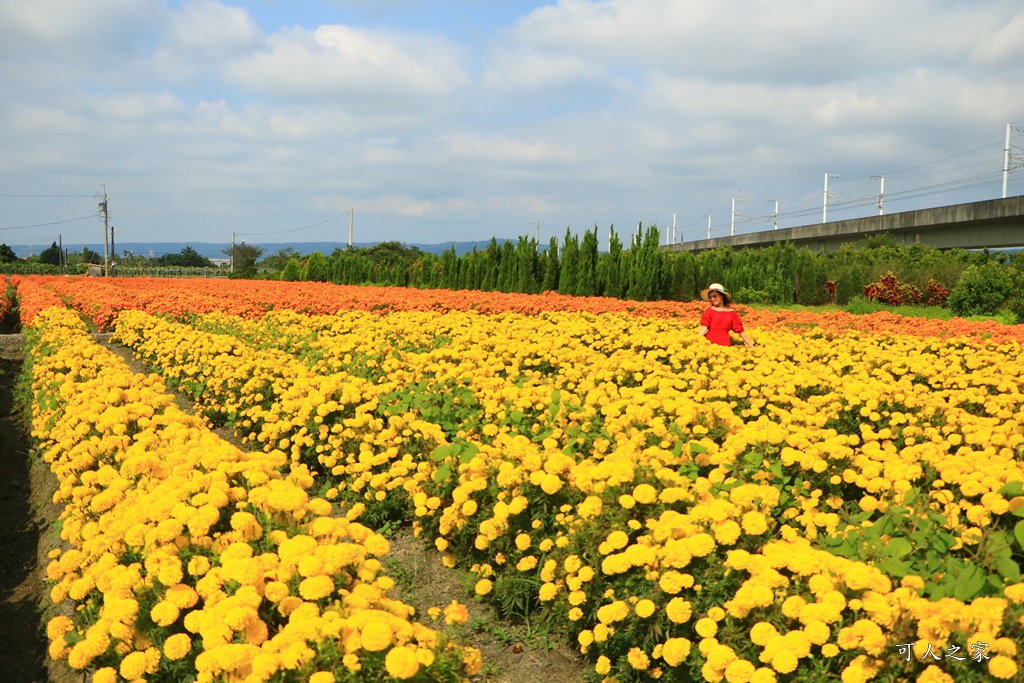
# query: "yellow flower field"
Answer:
x=804 y=510
x=831 y=505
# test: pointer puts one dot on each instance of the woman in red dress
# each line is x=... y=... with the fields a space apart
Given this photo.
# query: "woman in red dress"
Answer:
x=720 y=319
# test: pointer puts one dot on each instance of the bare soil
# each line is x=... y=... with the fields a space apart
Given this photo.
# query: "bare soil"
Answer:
x=27 y=516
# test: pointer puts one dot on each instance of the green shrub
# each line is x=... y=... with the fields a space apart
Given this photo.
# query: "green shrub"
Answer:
x=748 y=295
x=1016 y=302
x=981 y=290
x=292 y=270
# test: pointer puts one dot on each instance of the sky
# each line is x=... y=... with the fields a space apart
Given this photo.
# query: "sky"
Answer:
x=430 y=122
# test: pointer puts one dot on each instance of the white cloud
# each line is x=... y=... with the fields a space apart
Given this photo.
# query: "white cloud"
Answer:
x=351 y=65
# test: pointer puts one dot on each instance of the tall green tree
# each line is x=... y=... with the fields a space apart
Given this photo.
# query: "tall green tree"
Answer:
x=317 y=268
x=612 y=286
x=551 y=268
x=526 y=266
x=243 y=258
x=7 y=254
x=51 y=255
x=569 y=266
x=586 y=273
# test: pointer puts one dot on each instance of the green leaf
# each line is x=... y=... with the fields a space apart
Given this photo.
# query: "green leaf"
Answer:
x=753 y=459
x=1008 y=569
x=443 y=473
x=897 y=548
x=696 y=448
x=970 y=582
x=441 y=452
x=1012 y=489
x=895 y=567
x=467 y=453
x=1018 y=533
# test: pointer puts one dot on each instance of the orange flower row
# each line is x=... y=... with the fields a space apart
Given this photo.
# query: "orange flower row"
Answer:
x=101 y=299
x=33 y=297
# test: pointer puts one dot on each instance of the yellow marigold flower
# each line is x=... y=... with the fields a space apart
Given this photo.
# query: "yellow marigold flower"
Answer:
x=754 y=523
x=107 y=674
x=316 y=587
x=484 y=586
x=456 y=613
x=638 y=659
x=1002 y=666
x=679 y=611
x=716 y=613
x=198 y=565
x=785 y=662
x=763 y=675
x=675 y=650
x=829 y=650
x=441 y=544
x=603 y=665
x=551 y=484
x=547 y=591
x=672 y=582
x=276 y=591
x=58 y=626
x=644 y=608
x=739 y=671
x=1015 y=593
x=762 y=632
x=527 y=563
x=164 y=613
x=351 y=662
x=177 y=646
x=727 y=532
x=376 y=635
x=135 y=665
x=627 y=501
x=401 y=662
x=322 y=677
x=613 y=612
x=645 y=494
x=706 y=628
x=523 y=541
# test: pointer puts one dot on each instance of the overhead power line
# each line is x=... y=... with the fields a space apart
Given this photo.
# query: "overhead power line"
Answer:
x=43 y=225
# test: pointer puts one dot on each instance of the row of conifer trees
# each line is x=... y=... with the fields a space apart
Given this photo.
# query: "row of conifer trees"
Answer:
x=643 y=271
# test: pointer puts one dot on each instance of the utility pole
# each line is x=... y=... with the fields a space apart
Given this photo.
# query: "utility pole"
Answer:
x=113 y=249
x=732 y=227
x=881 y=192
x=60 y=248
x=106 y=227
x=1006 y=159
x=673 y=228
x=538 y=232
x=351 y=221
x=232 y=254
x=709 y=226
x=824 y=208
x=775 y=216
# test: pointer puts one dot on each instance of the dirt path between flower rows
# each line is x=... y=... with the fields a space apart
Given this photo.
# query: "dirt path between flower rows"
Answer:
x=27 y=515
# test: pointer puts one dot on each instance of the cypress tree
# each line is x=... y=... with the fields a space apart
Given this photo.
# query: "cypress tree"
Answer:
x=569 y=265
x=526 y=266
x=507 y=267
x=586 y=273
x=550 y=283
x=613 y=268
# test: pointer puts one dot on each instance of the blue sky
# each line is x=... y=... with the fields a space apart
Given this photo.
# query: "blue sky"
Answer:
x=452 y=121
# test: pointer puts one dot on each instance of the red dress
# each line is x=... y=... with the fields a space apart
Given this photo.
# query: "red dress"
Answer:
x=719 y=323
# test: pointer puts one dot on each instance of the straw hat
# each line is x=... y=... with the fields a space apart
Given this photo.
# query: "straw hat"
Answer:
x=717 y=288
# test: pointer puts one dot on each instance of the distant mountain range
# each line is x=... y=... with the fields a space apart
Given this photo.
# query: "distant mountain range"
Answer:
x=216 y=250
